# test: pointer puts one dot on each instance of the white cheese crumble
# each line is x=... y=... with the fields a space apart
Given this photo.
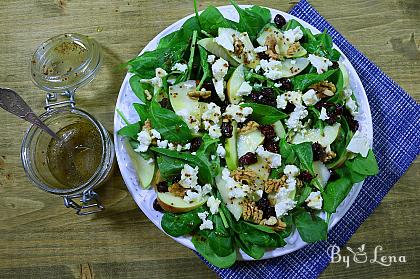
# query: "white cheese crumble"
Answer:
x=351 y=105
x=320 y=63
x=188 y=176
x=237 y=112
x=179 y=67
x=219 y=86
x=273 y=159
x=157 y=80
x=283 y=202
x=323 y=115
x=162 y=143
x=237 y=190
x=310 y=98
x=314 y=200
x=144 y=140
x=211 y=115
x=293 y=122
x=245 y=89
x=211 y=58
x=215 y=132
x=272 y=69
x=197 y=193
x=155 y=134
x=291 y=170
x=293 y=35
x=221 y=152
x=260 y=49
x=213 y=203
x=219 y=69
x=281 y=101
x=206 y=224
x=359 y=143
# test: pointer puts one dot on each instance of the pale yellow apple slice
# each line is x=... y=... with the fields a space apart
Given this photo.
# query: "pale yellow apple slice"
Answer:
x=171 y=203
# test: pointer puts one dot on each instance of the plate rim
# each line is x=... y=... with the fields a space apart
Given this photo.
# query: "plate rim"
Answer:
x=141 y=198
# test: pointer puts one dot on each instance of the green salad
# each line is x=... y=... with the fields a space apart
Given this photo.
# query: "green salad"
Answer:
x=247 y=132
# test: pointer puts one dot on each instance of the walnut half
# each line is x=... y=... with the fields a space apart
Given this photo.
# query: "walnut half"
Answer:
x=250 y=212
x=324 y=89
x=177 y=190
x=199 y=94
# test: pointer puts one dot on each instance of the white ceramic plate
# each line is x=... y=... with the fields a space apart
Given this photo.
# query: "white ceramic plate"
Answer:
x=145 y=198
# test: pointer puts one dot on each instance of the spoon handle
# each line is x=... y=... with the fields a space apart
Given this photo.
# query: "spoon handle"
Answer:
x=13 y=103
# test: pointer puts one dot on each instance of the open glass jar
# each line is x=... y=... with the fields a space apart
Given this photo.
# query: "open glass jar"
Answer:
x=84 y=157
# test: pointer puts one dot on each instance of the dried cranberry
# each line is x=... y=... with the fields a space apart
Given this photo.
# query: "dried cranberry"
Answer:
x=305 y=176
x=335 y=65
x=226 y=129
x=353 y=123
x=333 y=112
x=248 y=159
x=265 y=96
x=289 y=108
x=333 y=175
x=156 y=206
x=318 y=151
x=268 y=131
x=263 y=56
x=271 y=146
x=162 y=186
x=286 y=84
x=195 y=144
x=176 y=178
x=279 y=20
x=165 y=103
x=242 y=124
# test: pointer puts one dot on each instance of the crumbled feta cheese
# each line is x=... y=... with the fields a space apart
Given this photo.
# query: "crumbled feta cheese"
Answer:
x=220 y=68
x=281 y=101
x=162 y=143
x=219 y=88
x=194 y=153
x=323 y=115
x=221 y=152
x=245 y=89
x=211 y=115
x=273 y=159
x=211 y=58
x=237 y=193
x=291 y=170
x=144 y=140
x=314 y=200
x=171 y=146
x=197 y=193
x=179 y=148
x=352 y=106
x=272 y=69
x=294 y=97
x=215 y=132
x=310 y=98
x=271 y=221
x=236 y=189
x=359 y=143
x=213 y=203
x=155 y=134
x=213 y=157
x=157 y=80
x=187 y=146
x=206 y=224
x=293 y=35
x=260 y=49
x=293 y=122
x=259 y=193
x=278 y=85
x=257 y=68
x=179 y=67
x=320 y=63
x=203 y=215
x=205 y=189
x=283 y=207
x=188 y=176
x=237 y=112
x=225 y=40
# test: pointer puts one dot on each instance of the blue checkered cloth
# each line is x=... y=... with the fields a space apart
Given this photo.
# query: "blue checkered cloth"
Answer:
x=396 y=126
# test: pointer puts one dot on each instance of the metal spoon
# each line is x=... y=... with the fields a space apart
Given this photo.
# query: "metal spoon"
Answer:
x=13 y=103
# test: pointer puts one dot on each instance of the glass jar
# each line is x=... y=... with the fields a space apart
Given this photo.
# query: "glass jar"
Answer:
x=84 y=158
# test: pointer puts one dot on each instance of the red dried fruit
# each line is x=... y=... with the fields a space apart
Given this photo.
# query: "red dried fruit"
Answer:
x=227 y=129
x=279 y=20
x=318 y=151
x=195 y=144
x=248 y=159
x=305 y=176
x=272 y=146
x=268 y=131
x=162 y=187
x=156 y=206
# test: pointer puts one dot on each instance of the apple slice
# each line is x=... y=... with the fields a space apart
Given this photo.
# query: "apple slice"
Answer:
x=279 y=129
x=231 y=151
x=346 y=80
x=262 y=169
x=249 y=142
x=322 y=172
x=145 y=171
x=328 y=136
x=211 y=46
x=234 y=205
x=171 y=203
x=234 y=83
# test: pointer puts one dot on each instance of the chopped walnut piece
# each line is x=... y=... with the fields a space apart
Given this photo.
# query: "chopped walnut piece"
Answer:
x=271 y=42
x=328 y=156
x=251 y=212
x=147 y=125
x=245 y=176
x=324 y=89
x=248 y=128
x=274 y=223
x=280 y=226
x=273 y=185
x=292 y=49
x=177 y=190
x=199 y=94
x=148 y=95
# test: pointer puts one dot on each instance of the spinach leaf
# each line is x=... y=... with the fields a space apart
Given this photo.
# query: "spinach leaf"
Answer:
x=203 y=247
x=322 y=45
x=171 y=126
x=205 y=167
x=249 y=234
x=144 y=65
x=352 y=175
x=192 y=51
x=303 y=195
x=310 y=228
x=304 y=153
x=180 y=224
x=287 y=152
x=339 y=145
x=335 y=192
x=142 y=111
x=260 y=227
x=169 y=167
x=204 y=65
x=264 y=114
x=219 y=238
x=252 y=20
x=130 y=130
x=250 y=248
x=301 y=82
x=366 y=166
x=139 y=88
x=211 y=19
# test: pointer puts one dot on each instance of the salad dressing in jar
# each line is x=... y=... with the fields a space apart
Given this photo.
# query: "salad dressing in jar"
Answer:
x=83 y=158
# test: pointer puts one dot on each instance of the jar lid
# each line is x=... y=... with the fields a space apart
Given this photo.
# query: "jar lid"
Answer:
x=65 y=62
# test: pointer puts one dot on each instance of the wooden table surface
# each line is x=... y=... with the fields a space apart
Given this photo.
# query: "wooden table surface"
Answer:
x=39 y=238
